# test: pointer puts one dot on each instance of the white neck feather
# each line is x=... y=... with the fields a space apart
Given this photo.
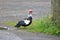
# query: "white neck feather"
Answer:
x=30 y=15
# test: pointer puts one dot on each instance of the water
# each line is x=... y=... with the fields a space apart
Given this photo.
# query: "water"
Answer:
x=12 y=10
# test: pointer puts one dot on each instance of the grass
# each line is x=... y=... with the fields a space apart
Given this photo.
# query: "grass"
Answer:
x=44 y=25
x=41 y=25
x=10 y=23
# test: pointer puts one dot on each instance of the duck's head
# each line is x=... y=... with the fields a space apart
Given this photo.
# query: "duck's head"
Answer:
x=30 y=13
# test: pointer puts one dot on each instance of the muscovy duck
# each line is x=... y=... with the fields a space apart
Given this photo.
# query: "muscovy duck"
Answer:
x=26 y=22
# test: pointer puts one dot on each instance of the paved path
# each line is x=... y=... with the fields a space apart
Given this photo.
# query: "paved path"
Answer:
x=4 y=35
x=12 y=10
x=24 y=35
x=34 y=36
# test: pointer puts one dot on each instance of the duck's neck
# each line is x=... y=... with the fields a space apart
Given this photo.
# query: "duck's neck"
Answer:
x=30 y=15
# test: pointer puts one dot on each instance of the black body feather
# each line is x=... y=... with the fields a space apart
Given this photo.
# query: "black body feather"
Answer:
x=22 y=23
